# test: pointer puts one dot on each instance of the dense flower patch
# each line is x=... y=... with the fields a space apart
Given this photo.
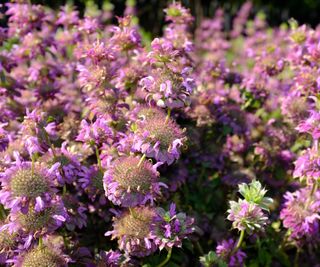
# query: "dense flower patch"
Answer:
x=196 y=148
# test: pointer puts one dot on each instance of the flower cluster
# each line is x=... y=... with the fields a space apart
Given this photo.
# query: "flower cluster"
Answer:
x=300 y=214
x=247 y=214
x=81 y=136
x=225 y=250
x=121 y=148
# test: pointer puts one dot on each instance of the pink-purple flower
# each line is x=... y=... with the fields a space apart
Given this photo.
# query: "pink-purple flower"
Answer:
x=300 y=214
x=226 y=251
x=132 y=181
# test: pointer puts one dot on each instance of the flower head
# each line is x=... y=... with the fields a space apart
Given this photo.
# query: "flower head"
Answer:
x=246 y=216
x=91 y=182
x=35 y=223
x=301 y=215
x=76 y=211
x=8 y=241
x=129 y=182
x=225 y=250
x=23 y=184
x=41 y=256
x=158 y=138
x=69 y=166
x=307 y=166
x=162 y=51
x=37 y=131
x=126 y=37
x=98 y=52
x=96 y=133
x=23 y=17
x=170 y=228
x=311 y=125
x=132 y=229
x=168 y=89
x=178 y=14
x=111 y=258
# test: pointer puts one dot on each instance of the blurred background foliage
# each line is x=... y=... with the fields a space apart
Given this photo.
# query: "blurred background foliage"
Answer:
x=150 y=12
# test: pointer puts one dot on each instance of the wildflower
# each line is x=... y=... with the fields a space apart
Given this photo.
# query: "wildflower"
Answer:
x=178 y=14
x=67 y=16
x=8 y=241
x=246 y=216
x=98 y=52
x=126 y=36
x=23 y=18
x=170 y=228
x=35 y=223
x=130 y=182
x=23 y=184
x=168 y=89
x=225 y=250
x=91 y=181
x=93 y=77
x=41 y=256
x=110 y=258
x=69 y=166
x=89 y=25
x=95 y=134
x=37 y=132
x=301 y=215
x=159 y=138
x=307 y=166
x=162 y=51
x=132 y=229
x=76 y=211
x=311 y=125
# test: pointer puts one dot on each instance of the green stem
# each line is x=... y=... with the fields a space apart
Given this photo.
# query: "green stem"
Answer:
x=296 y=258
x=3 y=214
x=98 y=158
x=141 y=160
x=32 y=164
x=65 y=241
x=198 y=245
x=132 y=213
x=47 y=137
x=168 y=115
x=40 y=242
x=239 y=242
x=166 y=259
x=314 y=188
x=64 y=190
x=53 y=151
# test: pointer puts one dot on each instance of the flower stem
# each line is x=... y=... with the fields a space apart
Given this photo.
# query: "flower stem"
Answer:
x=40 y=242
x=314 y=188
x=141 y=160
x=98 y=158
x=168 y=115
x=3 y=213
x=65 y=241
x=32 y=164
x=64 y=190
x=239 y=242
x=198 y=245
x=166 y=259
x=296 y=258
x=53 y=150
